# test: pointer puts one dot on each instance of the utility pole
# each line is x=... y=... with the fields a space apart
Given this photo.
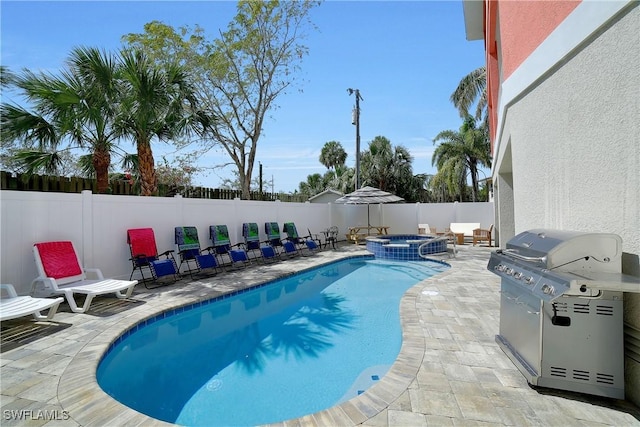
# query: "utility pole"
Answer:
x=261 y=195
x=355 y=120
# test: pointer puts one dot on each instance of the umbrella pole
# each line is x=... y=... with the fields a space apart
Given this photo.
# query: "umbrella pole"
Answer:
x=368 y=221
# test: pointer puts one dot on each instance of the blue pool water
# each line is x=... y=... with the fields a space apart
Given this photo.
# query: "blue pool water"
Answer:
x=293 y=347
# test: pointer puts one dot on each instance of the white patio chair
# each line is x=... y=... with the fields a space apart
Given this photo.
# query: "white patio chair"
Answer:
x=61 y=273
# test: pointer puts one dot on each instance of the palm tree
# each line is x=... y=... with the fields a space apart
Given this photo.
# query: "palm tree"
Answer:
x=154 y=103
x=387 y=168
x=6 y=76
x=472 y=88
x=76 y=107
x=333 y=155
x=341 y=179
x=315 y=184
x=460 y=153
x=96 y=71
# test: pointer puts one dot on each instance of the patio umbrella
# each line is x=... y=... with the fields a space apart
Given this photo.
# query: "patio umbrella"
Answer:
x=368 y=196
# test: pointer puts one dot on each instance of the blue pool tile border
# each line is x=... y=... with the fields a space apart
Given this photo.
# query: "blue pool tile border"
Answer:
x=384 y=248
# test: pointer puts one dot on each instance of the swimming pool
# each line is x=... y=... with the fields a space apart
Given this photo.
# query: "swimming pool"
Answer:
x=292 y=347
x=405 y=247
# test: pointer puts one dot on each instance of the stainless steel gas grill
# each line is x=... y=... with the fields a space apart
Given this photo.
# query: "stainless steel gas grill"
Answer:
x=561 y=309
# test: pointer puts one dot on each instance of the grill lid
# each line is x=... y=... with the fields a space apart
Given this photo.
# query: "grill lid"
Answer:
x=567 y=250
x=552 y=263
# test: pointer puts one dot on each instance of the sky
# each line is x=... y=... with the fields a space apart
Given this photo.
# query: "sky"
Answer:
x=405 y=58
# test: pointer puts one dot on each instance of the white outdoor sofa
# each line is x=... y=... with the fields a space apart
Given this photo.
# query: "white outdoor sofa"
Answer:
x=463 y=230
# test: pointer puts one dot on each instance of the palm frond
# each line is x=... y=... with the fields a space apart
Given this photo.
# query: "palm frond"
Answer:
x=33 y=162
x=18 y=123
x=471 y=87
x=85 y=163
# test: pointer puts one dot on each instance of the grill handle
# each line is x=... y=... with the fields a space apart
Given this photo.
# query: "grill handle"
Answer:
x=511 y=253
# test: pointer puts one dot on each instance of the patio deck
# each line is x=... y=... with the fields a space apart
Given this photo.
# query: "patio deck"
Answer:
x=450 y=371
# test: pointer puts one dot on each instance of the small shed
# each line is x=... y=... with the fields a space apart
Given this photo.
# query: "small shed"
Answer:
x=327 y=196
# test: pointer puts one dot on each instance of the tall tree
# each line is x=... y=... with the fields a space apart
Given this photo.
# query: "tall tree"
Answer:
x=6 y=76
x=314 y=184
x=155 y=102
x=333 y=155
x=460 y=153
x=76 y=107
x=472 y=88
x=241 y=74
x=341 y=179
x=386 y=167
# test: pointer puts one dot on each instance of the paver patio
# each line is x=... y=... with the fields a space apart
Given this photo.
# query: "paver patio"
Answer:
x=449 y=371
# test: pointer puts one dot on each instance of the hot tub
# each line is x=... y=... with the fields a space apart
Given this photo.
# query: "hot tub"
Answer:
x=405 y=247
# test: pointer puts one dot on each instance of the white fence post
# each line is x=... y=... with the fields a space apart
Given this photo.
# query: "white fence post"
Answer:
x=88 y=248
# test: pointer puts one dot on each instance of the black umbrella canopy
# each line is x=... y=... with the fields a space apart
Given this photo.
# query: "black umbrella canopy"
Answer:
x=368 y=196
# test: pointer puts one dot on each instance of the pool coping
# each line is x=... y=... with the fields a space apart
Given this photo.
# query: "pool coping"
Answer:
x=80 y=395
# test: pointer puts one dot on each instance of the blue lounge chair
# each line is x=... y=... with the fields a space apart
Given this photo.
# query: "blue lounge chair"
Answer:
x=292 y=235
x=300 y=242
x=222 y=246
x=272 y=229
x=251 y=235
x=186 y=239
x=144 y=256
x=312 y=246
x=315 y=238
x=269 y=253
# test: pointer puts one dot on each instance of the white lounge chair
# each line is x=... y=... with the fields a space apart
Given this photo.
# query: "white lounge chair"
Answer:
x=60 y=272
x=425 y=229
x=13 y=306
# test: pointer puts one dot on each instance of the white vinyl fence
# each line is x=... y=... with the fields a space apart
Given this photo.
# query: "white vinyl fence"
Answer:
x=97 y=223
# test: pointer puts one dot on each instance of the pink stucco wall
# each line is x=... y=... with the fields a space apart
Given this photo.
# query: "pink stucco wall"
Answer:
x=524 y=24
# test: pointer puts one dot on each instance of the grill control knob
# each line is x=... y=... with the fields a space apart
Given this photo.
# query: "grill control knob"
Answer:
x=518 y=275
x=548 y=289
x=528 y=280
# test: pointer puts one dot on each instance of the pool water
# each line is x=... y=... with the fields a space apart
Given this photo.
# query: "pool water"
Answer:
x=294 y=347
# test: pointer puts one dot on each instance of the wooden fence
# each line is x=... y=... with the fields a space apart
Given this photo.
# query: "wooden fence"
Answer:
x=63 y=184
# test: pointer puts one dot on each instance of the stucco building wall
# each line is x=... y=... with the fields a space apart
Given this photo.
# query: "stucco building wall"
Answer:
x=569 y=144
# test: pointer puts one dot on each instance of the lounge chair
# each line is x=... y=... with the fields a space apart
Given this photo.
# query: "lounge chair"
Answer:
x=269 y=253
x=144 y=256
x=311 y=245
x=482 y=235
x=222 y=246
x=188 y=244
x=425 y=229
x=315 y=238
x=251 y=235
x=60 y=272
x=13 y=306
x=272 y=229
x=301 y=243
x=292 y=235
